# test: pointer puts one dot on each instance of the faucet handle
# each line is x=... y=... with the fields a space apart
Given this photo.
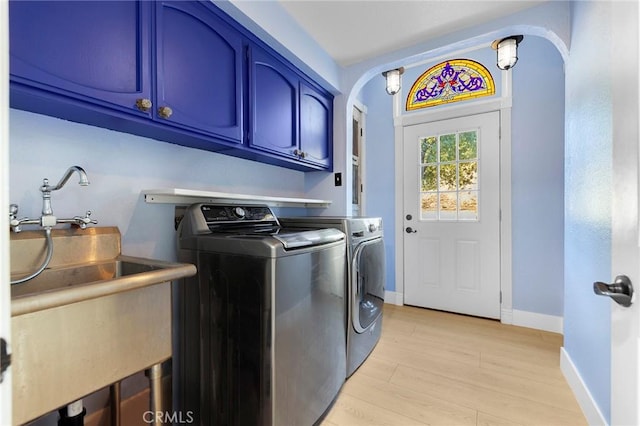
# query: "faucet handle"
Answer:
x=14 y=222
x=82 y=222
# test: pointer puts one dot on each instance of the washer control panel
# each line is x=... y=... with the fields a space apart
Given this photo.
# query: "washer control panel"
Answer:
x=218 y=214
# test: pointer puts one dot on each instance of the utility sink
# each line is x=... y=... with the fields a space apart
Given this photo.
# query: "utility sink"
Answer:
x=92 y=318
x=81 y=275
x=74 y=283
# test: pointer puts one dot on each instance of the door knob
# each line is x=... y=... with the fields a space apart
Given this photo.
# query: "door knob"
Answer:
x=621 y=290
x=410 y=230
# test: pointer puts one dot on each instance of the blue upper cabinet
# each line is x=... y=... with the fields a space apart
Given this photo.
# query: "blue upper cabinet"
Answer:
x=176 y=71
x=316 y=126
x=289 y=118
x=199 y=70
x=68 y=48
x=273 y=106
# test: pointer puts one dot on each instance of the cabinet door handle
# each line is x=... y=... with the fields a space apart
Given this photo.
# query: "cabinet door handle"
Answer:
x=165 y=112
x=143 y=104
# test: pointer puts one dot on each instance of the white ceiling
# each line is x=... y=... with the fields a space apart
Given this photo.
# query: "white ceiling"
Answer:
x=352 y=31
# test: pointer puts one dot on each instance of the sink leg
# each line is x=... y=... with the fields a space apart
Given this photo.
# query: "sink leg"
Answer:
x=114 y=398
x=154 y=373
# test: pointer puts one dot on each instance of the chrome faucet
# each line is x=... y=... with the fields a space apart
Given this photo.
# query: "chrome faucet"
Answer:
x=84 y=181
x=47 y=190
x=48 y=220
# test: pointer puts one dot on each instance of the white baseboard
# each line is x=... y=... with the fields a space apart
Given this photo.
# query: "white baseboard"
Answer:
x=589 y=407
x=506 y=316
x=535 y=320
x=393 y=297
x=527 y=319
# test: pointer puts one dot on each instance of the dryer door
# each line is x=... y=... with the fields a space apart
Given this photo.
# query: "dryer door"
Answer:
x=367 y=283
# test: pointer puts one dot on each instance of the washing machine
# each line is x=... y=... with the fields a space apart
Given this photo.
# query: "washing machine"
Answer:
x=260 y=335
x=364 y=282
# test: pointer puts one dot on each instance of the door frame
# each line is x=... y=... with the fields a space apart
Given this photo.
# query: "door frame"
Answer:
x=357 y=105
x=503 y=106
x=5 y=297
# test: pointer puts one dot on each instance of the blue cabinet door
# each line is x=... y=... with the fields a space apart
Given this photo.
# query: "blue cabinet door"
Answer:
x=199 y=71
x=94 y=51
x=316 y=126
x=273 y=105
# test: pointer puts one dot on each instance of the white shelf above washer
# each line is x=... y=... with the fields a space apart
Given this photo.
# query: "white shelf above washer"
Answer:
x=187 y=197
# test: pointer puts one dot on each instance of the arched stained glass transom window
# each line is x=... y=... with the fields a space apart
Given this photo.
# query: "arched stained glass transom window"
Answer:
x=450 y=81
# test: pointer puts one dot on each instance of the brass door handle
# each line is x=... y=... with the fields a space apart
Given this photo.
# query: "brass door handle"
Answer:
x=165 y=112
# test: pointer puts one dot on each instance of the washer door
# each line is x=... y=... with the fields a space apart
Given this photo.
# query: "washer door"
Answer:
x=367 y=283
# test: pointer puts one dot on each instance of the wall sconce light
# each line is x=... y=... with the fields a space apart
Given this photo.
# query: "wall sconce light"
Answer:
x=393 y=80
x=507 y=51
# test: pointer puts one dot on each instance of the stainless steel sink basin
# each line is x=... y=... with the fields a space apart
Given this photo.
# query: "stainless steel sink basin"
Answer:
x=57 y=279
x=79 y=327
x=73 y=283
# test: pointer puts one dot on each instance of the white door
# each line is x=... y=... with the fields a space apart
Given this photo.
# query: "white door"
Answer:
x=452 y=215
x=5 y=301
x=625 y=322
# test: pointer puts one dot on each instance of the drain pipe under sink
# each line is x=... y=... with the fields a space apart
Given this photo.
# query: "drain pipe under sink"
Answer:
x=114 y=402
x=72 y=415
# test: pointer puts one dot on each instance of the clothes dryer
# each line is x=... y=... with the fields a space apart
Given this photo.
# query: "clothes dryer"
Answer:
x=364 y=283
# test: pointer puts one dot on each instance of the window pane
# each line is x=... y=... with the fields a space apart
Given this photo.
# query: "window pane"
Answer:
x=355 y=189
x=468 y=145
x=429 y=206
x=429 y=178
x=468 y=175
x=429 y=150
x=448 y=147
x=448 y=205
x=452 y=80
x=468 y=205
x=449 y=187
x=448 y=177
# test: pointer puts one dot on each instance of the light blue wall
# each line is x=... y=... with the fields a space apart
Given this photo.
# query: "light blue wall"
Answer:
x=588 y=197
x=119 y=167
x=537 y=169
x=379 y=167
x=537 y=178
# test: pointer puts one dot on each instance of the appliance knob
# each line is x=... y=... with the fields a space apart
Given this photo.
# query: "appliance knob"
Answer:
x=372 y=227
x=239 y=212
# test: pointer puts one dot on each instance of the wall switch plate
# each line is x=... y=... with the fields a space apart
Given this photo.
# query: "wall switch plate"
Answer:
x=338 y=179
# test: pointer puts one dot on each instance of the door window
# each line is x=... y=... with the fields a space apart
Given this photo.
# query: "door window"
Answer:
x=449 y=176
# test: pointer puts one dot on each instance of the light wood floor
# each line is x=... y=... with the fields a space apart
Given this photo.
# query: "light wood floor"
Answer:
x=444 y=369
